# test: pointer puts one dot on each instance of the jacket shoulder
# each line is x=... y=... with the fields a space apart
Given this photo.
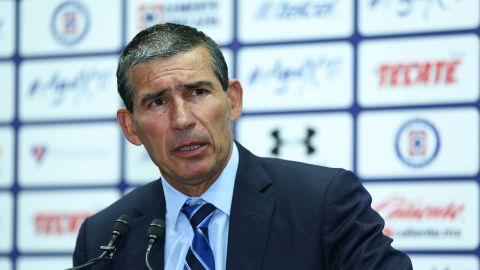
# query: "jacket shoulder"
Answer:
x=129 y=204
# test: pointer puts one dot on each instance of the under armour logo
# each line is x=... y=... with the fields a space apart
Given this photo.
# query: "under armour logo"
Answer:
x=279 y=142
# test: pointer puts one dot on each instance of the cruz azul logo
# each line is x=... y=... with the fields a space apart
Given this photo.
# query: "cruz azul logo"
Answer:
x=288 y=10
x=417 y=143
x=70 y=22
x=405 y=8
x=417 y=73
x=149 y=15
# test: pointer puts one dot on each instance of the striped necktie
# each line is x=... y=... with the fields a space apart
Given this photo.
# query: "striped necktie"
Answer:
x=199 y=255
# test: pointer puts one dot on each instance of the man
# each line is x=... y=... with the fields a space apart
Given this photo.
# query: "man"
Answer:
x=261 y=213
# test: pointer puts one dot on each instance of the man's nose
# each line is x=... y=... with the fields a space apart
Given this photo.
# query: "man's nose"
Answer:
x=181 y=115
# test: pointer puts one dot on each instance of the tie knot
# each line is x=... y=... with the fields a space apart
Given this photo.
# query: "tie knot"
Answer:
x=199 y=214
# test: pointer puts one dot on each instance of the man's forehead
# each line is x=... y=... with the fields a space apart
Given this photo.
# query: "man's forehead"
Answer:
x=196 y=59
x=197 y=54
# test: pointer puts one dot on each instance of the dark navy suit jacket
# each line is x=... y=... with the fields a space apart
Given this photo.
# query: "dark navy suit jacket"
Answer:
x=284 y=215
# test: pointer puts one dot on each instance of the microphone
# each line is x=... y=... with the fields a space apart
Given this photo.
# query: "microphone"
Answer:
x=120 y=228
x=156 y=231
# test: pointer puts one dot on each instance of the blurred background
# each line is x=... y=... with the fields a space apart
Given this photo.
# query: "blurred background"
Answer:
x=386 y=88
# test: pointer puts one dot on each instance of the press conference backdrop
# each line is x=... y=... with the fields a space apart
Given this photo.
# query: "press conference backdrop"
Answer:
x=386 y=88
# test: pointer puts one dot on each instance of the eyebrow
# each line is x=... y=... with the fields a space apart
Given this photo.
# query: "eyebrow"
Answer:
x=187 y=86
x=190 y=86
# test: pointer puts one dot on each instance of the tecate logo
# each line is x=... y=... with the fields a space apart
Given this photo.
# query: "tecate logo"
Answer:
x=438 y=72
x=59 y=223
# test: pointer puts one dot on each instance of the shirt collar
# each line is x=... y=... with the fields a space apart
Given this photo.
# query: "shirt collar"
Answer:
x=220 y=193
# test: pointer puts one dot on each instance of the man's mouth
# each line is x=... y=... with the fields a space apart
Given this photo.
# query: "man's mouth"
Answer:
x=189 y=147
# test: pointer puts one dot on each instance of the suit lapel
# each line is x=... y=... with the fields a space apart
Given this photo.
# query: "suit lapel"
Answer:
x=152 y=207
x=250 y=216
x=249 y=228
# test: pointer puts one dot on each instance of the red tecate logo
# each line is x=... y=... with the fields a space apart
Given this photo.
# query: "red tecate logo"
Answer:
x=418 y=73
x=402 y=208
x=59 y=223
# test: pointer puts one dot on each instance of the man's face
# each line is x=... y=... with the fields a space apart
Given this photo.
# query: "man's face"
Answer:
x=183 y=118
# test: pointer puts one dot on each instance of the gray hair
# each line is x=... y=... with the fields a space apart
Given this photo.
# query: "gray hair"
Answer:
x=163 y=41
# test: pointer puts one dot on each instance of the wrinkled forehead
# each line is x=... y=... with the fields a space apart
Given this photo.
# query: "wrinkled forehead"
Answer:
x=148 y=55
x=196 y=59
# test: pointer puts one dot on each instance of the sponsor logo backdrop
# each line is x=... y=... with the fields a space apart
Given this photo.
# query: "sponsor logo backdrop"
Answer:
x=386 y=88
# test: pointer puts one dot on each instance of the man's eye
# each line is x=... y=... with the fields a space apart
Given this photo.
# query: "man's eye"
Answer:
x=157 y=102
x=197 y=92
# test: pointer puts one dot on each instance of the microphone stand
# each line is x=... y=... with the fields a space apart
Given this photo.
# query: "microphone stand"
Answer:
x=107 y=254
x=120 y=228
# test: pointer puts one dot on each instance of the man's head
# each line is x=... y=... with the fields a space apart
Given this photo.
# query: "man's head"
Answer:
x=180 y=110
x=162 y=41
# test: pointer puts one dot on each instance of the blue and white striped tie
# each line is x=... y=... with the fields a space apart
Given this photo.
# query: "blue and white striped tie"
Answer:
x=200 y=255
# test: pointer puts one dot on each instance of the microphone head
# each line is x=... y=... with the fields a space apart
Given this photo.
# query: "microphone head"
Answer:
x=156 y=229
x=122 y=225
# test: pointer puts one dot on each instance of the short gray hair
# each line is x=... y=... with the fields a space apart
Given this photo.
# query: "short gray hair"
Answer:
x=163 y=41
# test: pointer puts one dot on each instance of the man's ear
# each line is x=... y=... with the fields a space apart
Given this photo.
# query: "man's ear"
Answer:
x=125 y=119
x=235 y=96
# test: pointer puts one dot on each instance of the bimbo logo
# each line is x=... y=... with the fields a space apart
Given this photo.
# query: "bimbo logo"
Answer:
x=417 y=143
x=149 y=15
x=302 y=10
x=309 y=71
x=59 y=223
x=439 y=72
x=70 y=22
x=80 y=86
x=406 y=8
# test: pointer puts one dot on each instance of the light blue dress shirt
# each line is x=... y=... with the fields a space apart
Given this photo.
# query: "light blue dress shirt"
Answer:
x=179 y=233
